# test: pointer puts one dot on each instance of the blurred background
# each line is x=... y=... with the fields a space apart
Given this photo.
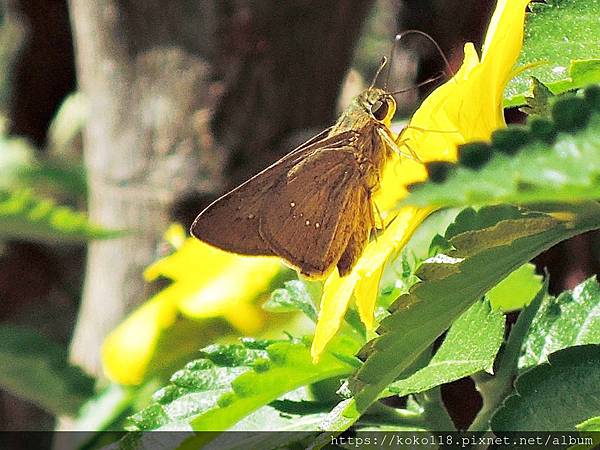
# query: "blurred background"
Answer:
x=139 y=113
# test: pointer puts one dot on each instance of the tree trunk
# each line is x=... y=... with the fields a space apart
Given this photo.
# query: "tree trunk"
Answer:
x=150 y=72
x=144 y=69
x=282 y=64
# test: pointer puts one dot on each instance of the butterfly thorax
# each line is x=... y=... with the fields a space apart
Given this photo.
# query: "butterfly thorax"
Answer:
x=368 y=117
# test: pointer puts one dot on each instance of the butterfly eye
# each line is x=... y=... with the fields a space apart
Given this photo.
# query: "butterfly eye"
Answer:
x=379 y=109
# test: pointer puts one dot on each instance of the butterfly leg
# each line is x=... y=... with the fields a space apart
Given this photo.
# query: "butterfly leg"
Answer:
x=404 y=143
x=427 y=130
x=396 y=148
x=381 y=221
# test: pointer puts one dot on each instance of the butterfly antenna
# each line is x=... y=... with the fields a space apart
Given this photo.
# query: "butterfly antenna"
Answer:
x=432 y=40
x=422 y=83
x=389 y=71
x=381 y=66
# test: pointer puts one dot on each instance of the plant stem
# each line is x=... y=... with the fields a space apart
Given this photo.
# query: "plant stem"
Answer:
x=435 y=413
x=494 y=389
x=379 y=414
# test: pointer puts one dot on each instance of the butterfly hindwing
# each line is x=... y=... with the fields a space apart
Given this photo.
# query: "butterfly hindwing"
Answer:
x=363 y=224
x=310 y=216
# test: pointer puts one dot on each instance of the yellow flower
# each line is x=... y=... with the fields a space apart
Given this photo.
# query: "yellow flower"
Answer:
x=207 y=282
x=466 y=108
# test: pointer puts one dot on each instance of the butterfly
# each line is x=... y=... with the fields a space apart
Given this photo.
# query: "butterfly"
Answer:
x=313 y=207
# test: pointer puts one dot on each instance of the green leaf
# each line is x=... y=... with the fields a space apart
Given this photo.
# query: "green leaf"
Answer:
x=556 y=395
x=293 y=426
x=15 y=155
x=592 y=424
x=529 y=165
x=38 y=370
x=494 y=389
x=55 y=176
x=294 y=296
x=24 y=216
x=488 y=245
x=398 y=274
x=109 y=409
x=589 y=429
x=580 y=73
x=538 y=104
x=103 y=409
x=21 y=169
x=232 y=381
x=516 y=290
x=562 y=35
x=470 y=346
x=571 y=319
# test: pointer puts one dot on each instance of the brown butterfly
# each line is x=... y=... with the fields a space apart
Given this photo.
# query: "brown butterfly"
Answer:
x=313 y=207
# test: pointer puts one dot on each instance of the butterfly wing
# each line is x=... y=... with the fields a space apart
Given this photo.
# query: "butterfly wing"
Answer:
x=311 y=213
x=232 y=221
x=363 y=224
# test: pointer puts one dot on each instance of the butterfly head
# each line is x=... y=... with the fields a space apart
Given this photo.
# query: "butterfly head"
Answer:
x=374 y=106
x=379 y=104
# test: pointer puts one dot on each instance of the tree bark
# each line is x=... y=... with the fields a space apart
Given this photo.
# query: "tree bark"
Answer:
x=282 y=64
x=144 y=69
x=153 y=73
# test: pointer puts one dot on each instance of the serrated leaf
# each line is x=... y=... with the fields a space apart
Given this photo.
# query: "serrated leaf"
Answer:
x=232 y=381
x=571 y=319
x=294 y=296
x=494 y=389
x=450 y=284
x=555 y=396
x=562 y=35
x=516 y=290
x=578 y=74
x=470 y=346
x=568 y=169
x=592 y=424
x=38 y=371
x=24 y=216
x=538 y=104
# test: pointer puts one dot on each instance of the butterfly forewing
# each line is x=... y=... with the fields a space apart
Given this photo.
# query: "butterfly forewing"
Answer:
x=232 y=221
x=309 y=218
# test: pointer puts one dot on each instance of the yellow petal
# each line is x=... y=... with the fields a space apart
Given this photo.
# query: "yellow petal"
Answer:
x=237 y=282
x=128 y=349
x=337 y=291
x=175 y=235
x=247 y=318
x=334 y=302
x=207 y=282
x=466 y=108
x=194 y=259
x=365 y=300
